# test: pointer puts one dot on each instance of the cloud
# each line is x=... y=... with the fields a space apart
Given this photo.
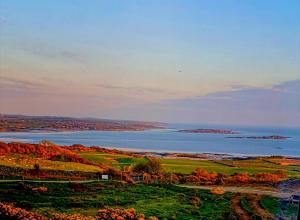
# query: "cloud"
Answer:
x=277 y=105
x=19 y=84
x=137 y=90
x=52 y=52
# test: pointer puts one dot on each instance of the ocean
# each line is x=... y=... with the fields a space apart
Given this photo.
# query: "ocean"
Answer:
x=170 y=140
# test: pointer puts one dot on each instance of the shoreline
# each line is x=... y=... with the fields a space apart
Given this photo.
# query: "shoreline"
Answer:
x=193 y=155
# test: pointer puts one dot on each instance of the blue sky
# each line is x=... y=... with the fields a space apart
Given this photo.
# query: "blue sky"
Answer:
x=111 y=58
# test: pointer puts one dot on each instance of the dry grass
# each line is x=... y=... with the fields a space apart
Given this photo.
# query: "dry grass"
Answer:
x=28 y=162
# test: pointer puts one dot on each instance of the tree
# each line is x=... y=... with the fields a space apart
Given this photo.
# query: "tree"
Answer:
x=150 y=165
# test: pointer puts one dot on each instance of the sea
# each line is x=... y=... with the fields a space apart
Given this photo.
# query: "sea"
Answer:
x=170 y=140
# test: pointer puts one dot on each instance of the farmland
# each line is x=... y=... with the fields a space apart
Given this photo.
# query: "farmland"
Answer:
x=187 y=166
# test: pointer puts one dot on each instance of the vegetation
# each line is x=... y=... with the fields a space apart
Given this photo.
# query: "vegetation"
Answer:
x=162 y=201
x=150 y=165
x=188 y=166
x=122 y=200
x=47 y=123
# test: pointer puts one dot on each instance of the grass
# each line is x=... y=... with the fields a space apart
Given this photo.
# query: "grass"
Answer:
x=276 y=207
x=178 y=165
x=28 y=162
x=270 y=204
x=165 y=202
x=246 y=205
x=187 y=166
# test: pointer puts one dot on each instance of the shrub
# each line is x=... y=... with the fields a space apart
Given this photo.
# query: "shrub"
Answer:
x=118 y=214
x=241 y=178
x=267 y=177
x=217 y=191
x=9 y=212
x=195 y=201
x=152 y=165
x=205 y=176
x=58 y=216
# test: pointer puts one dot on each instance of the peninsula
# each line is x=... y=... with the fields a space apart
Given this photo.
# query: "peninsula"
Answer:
x=209 y=131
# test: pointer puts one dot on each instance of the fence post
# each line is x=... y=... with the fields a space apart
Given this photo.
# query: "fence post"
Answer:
x=298 y=210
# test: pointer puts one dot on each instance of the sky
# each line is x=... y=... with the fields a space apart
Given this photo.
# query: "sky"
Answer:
x=193 y=61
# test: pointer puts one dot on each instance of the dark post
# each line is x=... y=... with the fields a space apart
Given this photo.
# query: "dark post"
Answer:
x=298 y=210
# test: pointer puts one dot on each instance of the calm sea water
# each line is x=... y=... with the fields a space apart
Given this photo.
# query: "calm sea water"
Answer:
x=169 y=140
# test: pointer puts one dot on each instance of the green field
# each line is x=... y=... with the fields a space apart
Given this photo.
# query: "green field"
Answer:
x=187 y=166
x=165 y=202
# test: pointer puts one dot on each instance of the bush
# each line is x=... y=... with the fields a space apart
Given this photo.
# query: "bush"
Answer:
x=152 y=165
x=241 y=178
x=9 y=212
x=195 y=201
x=118 y=214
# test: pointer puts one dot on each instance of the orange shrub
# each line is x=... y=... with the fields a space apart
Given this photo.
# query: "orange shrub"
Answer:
x=267 y=177
x=217 y=191
x=205 y=176
x=8 y=211
x=58 y=216
x=118 y=214
x=40 y=189
x=241 y=178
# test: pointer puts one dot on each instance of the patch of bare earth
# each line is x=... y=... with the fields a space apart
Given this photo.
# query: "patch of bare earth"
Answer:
x=239 y=211
x=258 y=210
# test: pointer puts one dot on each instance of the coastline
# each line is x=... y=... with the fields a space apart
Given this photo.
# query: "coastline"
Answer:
x=202 y=155
x=173 y=154
x=162 y=142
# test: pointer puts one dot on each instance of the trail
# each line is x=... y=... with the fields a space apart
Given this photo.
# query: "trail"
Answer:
x=254 y=202
x=239 y=211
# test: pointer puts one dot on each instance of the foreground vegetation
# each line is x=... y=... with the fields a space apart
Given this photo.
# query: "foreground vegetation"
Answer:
x=155 y=195
x=162 y=201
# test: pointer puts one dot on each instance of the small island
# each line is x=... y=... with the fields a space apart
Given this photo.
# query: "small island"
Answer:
x=271 y=137
x=209 y=131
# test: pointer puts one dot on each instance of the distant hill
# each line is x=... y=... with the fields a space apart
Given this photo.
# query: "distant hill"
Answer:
x=18 y=123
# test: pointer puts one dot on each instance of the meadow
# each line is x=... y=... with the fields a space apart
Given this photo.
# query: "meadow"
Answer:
x=187 y=166
x=162 y=201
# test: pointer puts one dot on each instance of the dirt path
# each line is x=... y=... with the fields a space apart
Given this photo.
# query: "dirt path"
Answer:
x=254 y=202
x=239 y=211
x=249 y=190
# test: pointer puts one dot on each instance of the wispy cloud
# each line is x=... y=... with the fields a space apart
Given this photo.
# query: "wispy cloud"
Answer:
x=251 y=106
x=19 y=84
x=137 y=90
x=52 y=52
